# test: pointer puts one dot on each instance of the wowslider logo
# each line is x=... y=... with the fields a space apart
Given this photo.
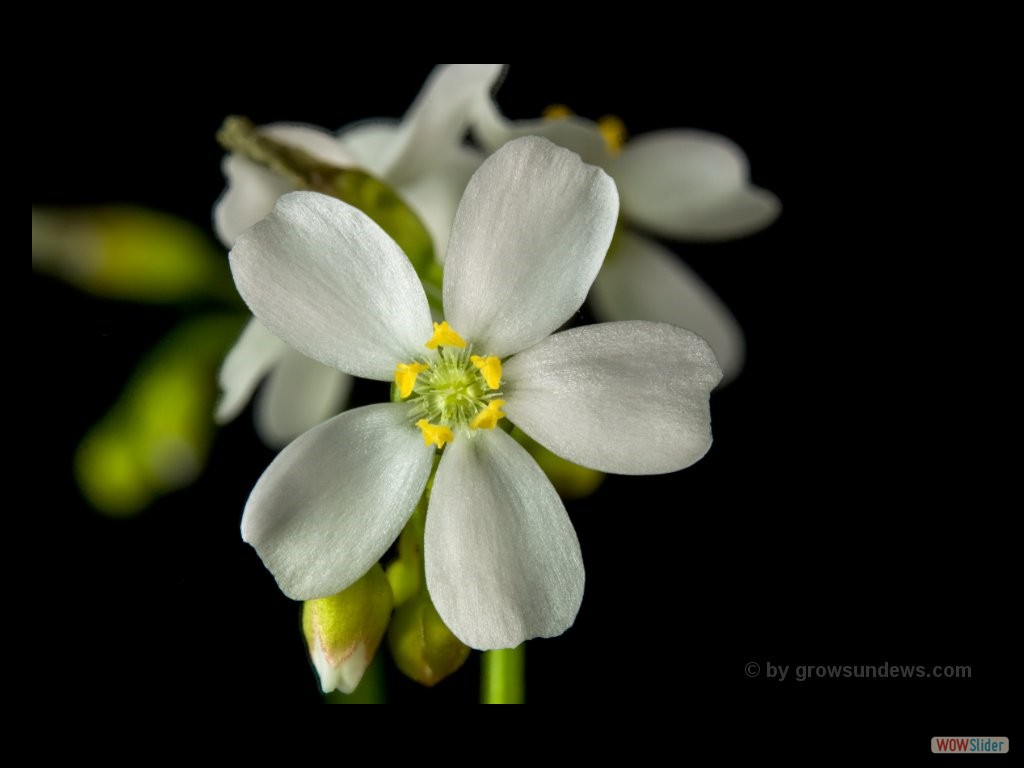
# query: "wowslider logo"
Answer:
x=977 y=745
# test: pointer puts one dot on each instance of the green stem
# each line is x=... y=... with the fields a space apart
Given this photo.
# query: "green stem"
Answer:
x=502 y=676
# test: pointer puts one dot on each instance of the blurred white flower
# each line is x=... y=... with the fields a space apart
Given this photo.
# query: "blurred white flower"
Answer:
x=502 y=560
x=424 y=158
x=678 y=184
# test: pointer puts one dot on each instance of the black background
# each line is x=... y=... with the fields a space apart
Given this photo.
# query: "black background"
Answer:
x=851 y=510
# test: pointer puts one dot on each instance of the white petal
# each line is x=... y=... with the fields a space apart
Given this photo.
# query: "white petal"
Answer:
x=344 y=677
x=316 y=141
x=322 y=276
x=642 y=280
x=435 y=197
x=334 y=500
x=582 y=136
x=529 y=237
x=254 y=354
x=439 y=118
x=502 y=559
x=691 y=184
x=370 y=143
x=250 y=195
x=252 y=189
x=299 y=394
x=630 y=398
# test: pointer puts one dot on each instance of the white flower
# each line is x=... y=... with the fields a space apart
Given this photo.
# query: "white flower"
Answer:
x=423 y=158
x=502 y=560
x=679 y=184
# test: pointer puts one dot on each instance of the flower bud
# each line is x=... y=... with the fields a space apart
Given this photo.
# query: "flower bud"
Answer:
x=422 y=645
x=343 y=631
x=157 y=436
x=128 y=253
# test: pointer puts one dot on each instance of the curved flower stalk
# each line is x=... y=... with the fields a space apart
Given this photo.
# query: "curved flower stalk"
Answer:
x=423 y=158
x=678 y=184
x=501 y=558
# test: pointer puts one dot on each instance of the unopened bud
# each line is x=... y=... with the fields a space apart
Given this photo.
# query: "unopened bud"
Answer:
x=421 y=643
x=128 y=253
x=344 y=631
x=157 y=436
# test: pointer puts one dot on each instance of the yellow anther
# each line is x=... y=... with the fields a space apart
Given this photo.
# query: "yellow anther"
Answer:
x=444 y=336
x=489 y=417
x=613 y=131
x=556 y=112
x=434 y=433
x=490 y=367
x=405 y=376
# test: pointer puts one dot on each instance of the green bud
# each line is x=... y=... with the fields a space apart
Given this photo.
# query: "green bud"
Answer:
x=344 y=631
x=406 y=572
x=129 y=253
x=157 y=436
x=570 y=480
x=421 y=643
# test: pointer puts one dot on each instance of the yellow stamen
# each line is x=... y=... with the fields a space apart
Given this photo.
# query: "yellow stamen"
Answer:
x=445 y=336
x=556 y=112
x=434 y=433
x=613 y=131
x=489 y=417
x=490 y=368
x=405 y=376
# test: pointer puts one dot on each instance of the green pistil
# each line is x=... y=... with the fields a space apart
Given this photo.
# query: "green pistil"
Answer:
x=452 y=391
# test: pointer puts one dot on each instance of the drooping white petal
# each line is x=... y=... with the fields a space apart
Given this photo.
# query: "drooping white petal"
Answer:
x=322 y=276
x=529 y=237
x=370 y=141
x=299 y=394
x=250 y=195
x=492 y=130
x=642 y=280
x=252 y=189
x=630 y=398
x=254 y=354
x=691 y=184
x=333 y=501
x=502 y=560
x=438 y=119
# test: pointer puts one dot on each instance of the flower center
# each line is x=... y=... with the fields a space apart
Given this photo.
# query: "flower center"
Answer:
x=456 y=390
